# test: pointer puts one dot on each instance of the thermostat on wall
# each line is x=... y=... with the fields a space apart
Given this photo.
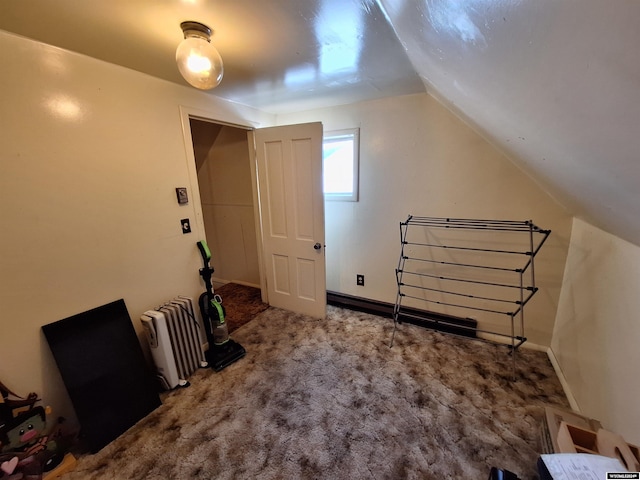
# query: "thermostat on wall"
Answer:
x=181 y=193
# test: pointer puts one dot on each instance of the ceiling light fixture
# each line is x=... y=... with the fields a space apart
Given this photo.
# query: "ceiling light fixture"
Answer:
x=198 y=61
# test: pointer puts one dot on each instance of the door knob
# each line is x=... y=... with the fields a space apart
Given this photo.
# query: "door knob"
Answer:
x=317 y=246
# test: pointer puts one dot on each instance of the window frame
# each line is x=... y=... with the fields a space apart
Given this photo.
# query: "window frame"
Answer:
x=353 y=133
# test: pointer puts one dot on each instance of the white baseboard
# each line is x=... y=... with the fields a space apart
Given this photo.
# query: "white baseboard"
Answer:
x=563 y=381
x=221 y=281
x=246 y=284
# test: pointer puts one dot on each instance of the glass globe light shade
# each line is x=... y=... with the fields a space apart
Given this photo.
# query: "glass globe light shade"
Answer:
x=198 y=61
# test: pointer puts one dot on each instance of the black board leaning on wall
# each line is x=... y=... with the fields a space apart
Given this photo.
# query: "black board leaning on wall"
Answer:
x=104 y=370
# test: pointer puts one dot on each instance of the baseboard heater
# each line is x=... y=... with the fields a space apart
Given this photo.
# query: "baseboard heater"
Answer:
x=466 y=327
x=173 y=333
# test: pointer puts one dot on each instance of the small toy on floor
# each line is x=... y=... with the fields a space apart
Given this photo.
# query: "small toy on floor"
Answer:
x=27 y=448
x=10 y=407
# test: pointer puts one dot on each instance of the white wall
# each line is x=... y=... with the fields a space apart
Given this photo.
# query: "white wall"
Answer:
x=417 y=158
x=596 y=334
x=90 y=155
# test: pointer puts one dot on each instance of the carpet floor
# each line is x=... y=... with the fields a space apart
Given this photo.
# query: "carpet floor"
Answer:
x=241 y=304
x=329 y=399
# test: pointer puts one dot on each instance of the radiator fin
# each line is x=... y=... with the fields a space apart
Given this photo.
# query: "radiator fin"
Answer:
x=174 y=337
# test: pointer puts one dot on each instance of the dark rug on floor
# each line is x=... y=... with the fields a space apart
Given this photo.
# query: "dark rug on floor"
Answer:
x=241 y=304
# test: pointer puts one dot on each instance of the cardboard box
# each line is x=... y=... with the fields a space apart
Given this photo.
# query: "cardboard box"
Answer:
x=573 y=439
x=553 y=417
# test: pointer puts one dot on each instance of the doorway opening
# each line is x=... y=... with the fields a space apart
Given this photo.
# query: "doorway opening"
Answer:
x=223 y=169
x=266 y=231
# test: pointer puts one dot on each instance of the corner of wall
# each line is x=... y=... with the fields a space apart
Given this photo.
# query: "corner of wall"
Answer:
x=563 y=381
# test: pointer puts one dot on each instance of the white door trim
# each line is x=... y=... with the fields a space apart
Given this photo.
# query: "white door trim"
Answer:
x=187 y=113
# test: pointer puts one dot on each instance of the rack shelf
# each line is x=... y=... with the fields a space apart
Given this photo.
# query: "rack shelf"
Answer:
x=461 y=267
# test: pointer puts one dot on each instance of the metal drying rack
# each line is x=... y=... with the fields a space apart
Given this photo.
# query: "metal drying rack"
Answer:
x=467 y=265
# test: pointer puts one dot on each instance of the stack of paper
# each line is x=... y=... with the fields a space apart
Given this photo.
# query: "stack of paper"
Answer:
x=579 y=466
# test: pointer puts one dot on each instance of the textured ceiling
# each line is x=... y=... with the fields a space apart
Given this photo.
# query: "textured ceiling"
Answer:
x=553 y=83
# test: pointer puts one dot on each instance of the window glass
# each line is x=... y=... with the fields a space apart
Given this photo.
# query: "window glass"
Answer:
x=340 y=165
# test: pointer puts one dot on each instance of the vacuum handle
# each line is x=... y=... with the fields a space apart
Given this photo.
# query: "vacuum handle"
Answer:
x=204 y=251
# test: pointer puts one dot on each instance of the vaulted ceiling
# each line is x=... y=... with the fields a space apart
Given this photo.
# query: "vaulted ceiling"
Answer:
x=555 y=84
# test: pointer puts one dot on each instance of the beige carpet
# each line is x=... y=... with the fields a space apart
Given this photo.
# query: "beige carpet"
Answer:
x=328 y=399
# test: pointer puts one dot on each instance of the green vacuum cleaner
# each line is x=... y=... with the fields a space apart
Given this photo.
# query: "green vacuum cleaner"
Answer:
x=223 y=351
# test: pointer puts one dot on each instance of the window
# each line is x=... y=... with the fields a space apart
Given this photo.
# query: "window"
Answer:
x=340 y=150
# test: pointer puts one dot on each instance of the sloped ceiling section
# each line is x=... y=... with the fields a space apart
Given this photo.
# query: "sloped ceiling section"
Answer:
x=554 y=83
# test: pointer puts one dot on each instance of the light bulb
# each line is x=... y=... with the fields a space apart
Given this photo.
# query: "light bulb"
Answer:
x=198 y=61
x=198 y=64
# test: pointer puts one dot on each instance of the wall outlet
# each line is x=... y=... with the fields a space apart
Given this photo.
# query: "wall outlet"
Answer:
x=360 y=280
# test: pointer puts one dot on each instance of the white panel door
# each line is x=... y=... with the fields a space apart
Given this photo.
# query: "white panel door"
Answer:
x=289 y=171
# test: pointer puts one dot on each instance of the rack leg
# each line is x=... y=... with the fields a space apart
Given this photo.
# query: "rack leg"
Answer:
x=513 y=348
x=396 y=314
x=393 y=335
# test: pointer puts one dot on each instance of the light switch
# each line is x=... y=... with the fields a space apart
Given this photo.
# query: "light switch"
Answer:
x=186 y=225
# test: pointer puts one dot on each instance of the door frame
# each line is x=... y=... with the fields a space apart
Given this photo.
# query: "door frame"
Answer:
x=188 y=113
